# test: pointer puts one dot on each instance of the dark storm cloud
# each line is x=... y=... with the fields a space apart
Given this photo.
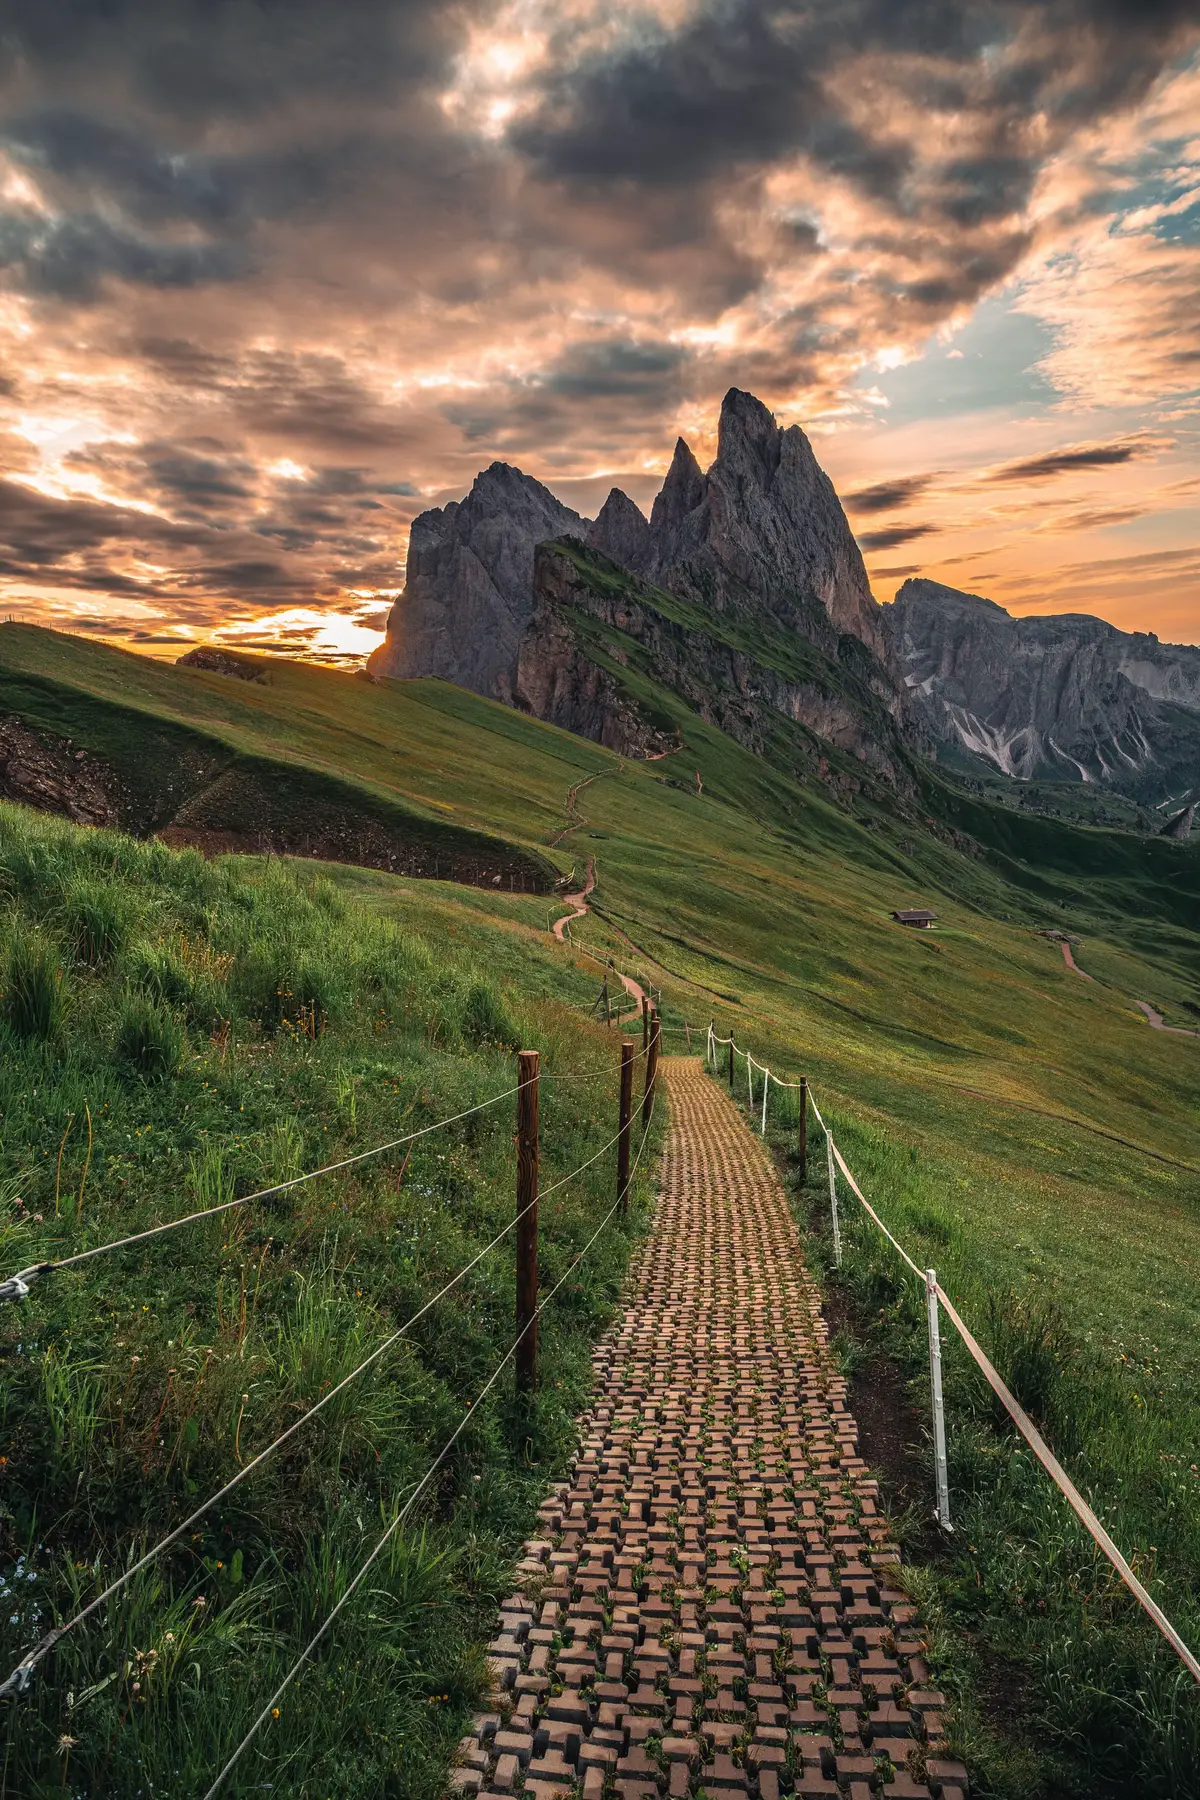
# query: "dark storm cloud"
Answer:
x=1069 y=461
x=38 y=529
x=69 y=259
x=742 y=86
x=885 y=496
x=616 y=366
x=199 y=62
x=893 y=535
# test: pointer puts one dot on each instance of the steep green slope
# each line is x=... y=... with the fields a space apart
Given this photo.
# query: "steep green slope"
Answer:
x=1038 y=1140
x=174 y=1035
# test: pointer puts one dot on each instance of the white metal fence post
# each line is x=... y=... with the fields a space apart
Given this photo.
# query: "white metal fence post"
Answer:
x=750 y=1075
x=939 y=1412
x=833 y=1213
x=766 y=1088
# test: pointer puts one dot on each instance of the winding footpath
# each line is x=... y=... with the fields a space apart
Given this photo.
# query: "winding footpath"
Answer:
x=576 y=901
x=712 y=1603
x=1152 y=1015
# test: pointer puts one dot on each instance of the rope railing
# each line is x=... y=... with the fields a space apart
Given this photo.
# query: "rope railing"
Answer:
x=19 y=1678
x=409 y=1504
x=17 y=1286
x=937 y=1299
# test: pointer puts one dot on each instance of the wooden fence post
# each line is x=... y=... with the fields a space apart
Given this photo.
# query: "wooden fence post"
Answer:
x=645 y=1023
x=731 y=1059
x=527 y=1229
x=651 y=1072
x=626 y=1116
x=804 y=1128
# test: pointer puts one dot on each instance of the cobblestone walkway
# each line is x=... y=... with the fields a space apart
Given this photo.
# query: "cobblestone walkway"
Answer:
x=709 y=1607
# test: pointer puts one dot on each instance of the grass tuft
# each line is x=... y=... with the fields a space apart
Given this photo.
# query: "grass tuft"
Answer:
x=149 y=1037
x=34 y=991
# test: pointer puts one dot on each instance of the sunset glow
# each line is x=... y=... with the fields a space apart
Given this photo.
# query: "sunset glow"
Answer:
x=263 y=306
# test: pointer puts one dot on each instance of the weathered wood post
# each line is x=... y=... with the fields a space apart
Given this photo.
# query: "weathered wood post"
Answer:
x=527 y=1230
x=626 y=1116
x=645 y=1023
x=731 y=1059
x=651 y=1072
x=804 y=1128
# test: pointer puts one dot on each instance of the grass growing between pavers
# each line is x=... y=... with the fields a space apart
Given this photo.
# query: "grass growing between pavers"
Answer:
x=174 y=1034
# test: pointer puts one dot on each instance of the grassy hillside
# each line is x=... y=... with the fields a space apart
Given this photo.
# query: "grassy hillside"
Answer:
x=1039 y=1143
x=175 y=1033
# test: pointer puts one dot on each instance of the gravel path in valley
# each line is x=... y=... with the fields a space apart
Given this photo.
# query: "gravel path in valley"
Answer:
x=712 y=1604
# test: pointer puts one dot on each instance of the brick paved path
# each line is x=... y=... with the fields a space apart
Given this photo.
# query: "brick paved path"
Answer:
x=710 y=1607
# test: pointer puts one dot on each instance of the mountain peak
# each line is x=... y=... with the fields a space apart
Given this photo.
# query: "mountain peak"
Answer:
x=680 y=494
x=622 y=531
x=747 y=427
x=920 y=590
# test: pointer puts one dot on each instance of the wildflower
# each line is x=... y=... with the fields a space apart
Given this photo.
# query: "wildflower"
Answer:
x=274 y=1712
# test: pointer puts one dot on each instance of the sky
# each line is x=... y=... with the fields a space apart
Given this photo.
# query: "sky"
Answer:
x=275 y=278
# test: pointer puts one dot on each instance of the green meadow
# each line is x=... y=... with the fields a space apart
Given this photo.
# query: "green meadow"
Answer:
x=176 y=1034
x=1022 y=1128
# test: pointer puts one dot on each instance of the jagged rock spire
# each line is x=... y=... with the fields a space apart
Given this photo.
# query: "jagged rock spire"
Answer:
x=622 y=531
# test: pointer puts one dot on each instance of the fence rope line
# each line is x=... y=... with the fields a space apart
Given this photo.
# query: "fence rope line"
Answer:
x=20 y=1677
x=864 y=1202
x=17 y=1286
x=1067 y=1488
x=1020 y=1418
x=404 y=1511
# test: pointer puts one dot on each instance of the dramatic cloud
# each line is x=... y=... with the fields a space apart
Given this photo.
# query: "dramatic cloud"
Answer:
x=273 y=279
x=1069 y=461
x=888 y=496
x=891 y=536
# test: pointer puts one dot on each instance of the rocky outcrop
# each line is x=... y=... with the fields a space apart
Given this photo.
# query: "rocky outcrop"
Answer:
x=764 y=529
x=51 y=774
x=559 y=680
x=761 y=534
x=622 y=531
x=222 y=662
x=468 y=595
x=1062 y=698
x=563 y=677
x=1181 y=825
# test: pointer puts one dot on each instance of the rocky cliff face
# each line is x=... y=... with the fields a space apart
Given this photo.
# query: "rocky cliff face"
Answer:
x=468 y=594
x=763 y=528
x=761 y=533
x=730 y=678
x=1066 y=698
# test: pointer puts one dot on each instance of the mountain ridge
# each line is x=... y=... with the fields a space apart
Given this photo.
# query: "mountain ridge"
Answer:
x=1060 y=697
x=759 y=539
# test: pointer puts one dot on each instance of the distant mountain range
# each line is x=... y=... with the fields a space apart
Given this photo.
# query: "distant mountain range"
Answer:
x=1060 y=698
x=745 y=594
